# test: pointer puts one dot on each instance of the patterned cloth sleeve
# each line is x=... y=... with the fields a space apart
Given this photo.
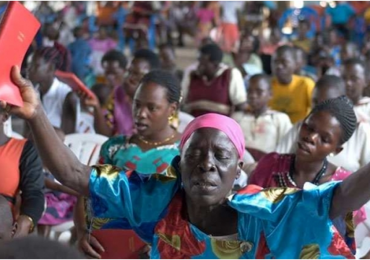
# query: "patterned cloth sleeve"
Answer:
x=109 y=148
x=295 y=222
x=139 y=200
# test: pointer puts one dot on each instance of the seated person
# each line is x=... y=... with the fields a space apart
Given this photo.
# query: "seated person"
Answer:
x=291 y=94
x=21 y=170
x=213 y=86
x=263 y=128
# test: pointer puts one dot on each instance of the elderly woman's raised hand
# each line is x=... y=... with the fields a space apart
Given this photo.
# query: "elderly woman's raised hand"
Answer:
x=31 y=102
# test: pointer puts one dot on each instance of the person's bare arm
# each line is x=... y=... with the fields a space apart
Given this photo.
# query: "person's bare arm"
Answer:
x=352 y=193
x=69 y=115
x=50 y=184
x=100 y=123
x=56 y=157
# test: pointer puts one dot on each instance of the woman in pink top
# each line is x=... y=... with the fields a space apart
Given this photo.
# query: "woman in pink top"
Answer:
x=206 y=19
x=323 y=132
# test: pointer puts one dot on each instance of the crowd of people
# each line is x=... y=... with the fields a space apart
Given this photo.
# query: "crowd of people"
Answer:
x=260 y=148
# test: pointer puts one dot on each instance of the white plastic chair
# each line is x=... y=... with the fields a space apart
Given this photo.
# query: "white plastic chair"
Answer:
x=87 y=148
x=15 y=135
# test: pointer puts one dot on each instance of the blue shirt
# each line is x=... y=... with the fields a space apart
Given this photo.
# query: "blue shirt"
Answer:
x=341 y=13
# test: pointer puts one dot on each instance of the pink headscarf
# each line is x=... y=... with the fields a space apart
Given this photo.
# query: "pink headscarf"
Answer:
x=223 y=123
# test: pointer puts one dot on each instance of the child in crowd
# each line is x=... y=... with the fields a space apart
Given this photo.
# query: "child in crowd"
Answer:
x=168 y=60
x=354 y=75
x=263 y=128
x=302 y=40
x=291 y=94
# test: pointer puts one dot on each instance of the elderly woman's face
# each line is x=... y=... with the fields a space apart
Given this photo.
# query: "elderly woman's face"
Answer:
x=209 y=167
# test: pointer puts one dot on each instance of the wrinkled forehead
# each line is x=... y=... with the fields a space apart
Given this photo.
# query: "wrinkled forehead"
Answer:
x=209 y=138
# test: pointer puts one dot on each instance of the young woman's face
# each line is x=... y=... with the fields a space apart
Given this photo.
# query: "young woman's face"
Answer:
x=319 y=136
x=354 y=77
x=209 y=166
x=151 y=109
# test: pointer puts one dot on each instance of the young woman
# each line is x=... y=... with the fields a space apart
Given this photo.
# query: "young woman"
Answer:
x=149 y=151
x=323 y=132
x=186 y=216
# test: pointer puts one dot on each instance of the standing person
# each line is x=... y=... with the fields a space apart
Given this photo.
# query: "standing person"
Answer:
x=21 y=171
x=354 y=75
x=213 y=87
x=263 y=128
x=229 y=24
x=206 y=20
x=194 y=195
x=149 y=151
x=60 y=103
x=329 y=125
x=291 y=94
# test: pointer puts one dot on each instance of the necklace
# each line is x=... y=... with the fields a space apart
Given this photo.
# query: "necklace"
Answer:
x=317 y=177
x=156 y=143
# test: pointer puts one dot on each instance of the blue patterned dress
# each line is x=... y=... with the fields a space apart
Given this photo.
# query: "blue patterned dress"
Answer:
x=272 y=223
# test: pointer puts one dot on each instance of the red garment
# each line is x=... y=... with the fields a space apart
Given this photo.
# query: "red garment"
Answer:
x=10 y=155
x=216 y=91
x=273 y=170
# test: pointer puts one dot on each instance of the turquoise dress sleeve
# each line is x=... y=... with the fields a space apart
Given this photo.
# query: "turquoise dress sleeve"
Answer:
x=136 y=201
x=295 y=223
x=110 y=147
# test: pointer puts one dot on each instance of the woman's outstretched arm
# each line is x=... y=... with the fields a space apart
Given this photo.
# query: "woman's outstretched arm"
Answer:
x=58 y=158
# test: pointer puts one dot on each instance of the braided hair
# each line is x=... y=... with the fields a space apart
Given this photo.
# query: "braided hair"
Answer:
x=51 y=55
x=166 y=80
x=342 y=109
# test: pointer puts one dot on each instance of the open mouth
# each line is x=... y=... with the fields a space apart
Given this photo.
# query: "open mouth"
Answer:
x=141 y=127
x=303 y=147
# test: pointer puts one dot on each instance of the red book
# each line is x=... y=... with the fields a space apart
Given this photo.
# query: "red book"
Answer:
x=119 y=243
x=74 y=82
x=18 y=27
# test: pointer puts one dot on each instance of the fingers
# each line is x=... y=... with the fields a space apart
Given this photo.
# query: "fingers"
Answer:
x=89 y=247
x=18 y=79
x=95 y=243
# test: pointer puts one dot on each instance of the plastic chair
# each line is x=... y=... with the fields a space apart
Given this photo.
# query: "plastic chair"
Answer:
x=87 y=148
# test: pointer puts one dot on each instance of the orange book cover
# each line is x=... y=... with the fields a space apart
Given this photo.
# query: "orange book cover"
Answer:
x=119 y=243
x=18 y=27
x=74 y=82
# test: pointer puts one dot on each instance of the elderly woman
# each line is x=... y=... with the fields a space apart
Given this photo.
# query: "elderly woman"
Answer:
x=188 y=212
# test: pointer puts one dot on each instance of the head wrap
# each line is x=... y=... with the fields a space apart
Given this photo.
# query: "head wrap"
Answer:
x=225 y=124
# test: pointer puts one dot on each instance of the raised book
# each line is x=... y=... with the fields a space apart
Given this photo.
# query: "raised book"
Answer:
x=18 y=28
x=74 y=82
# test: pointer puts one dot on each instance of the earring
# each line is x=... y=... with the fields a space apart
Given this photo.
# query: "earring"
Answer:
x=331 y=154
x=170 y=118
